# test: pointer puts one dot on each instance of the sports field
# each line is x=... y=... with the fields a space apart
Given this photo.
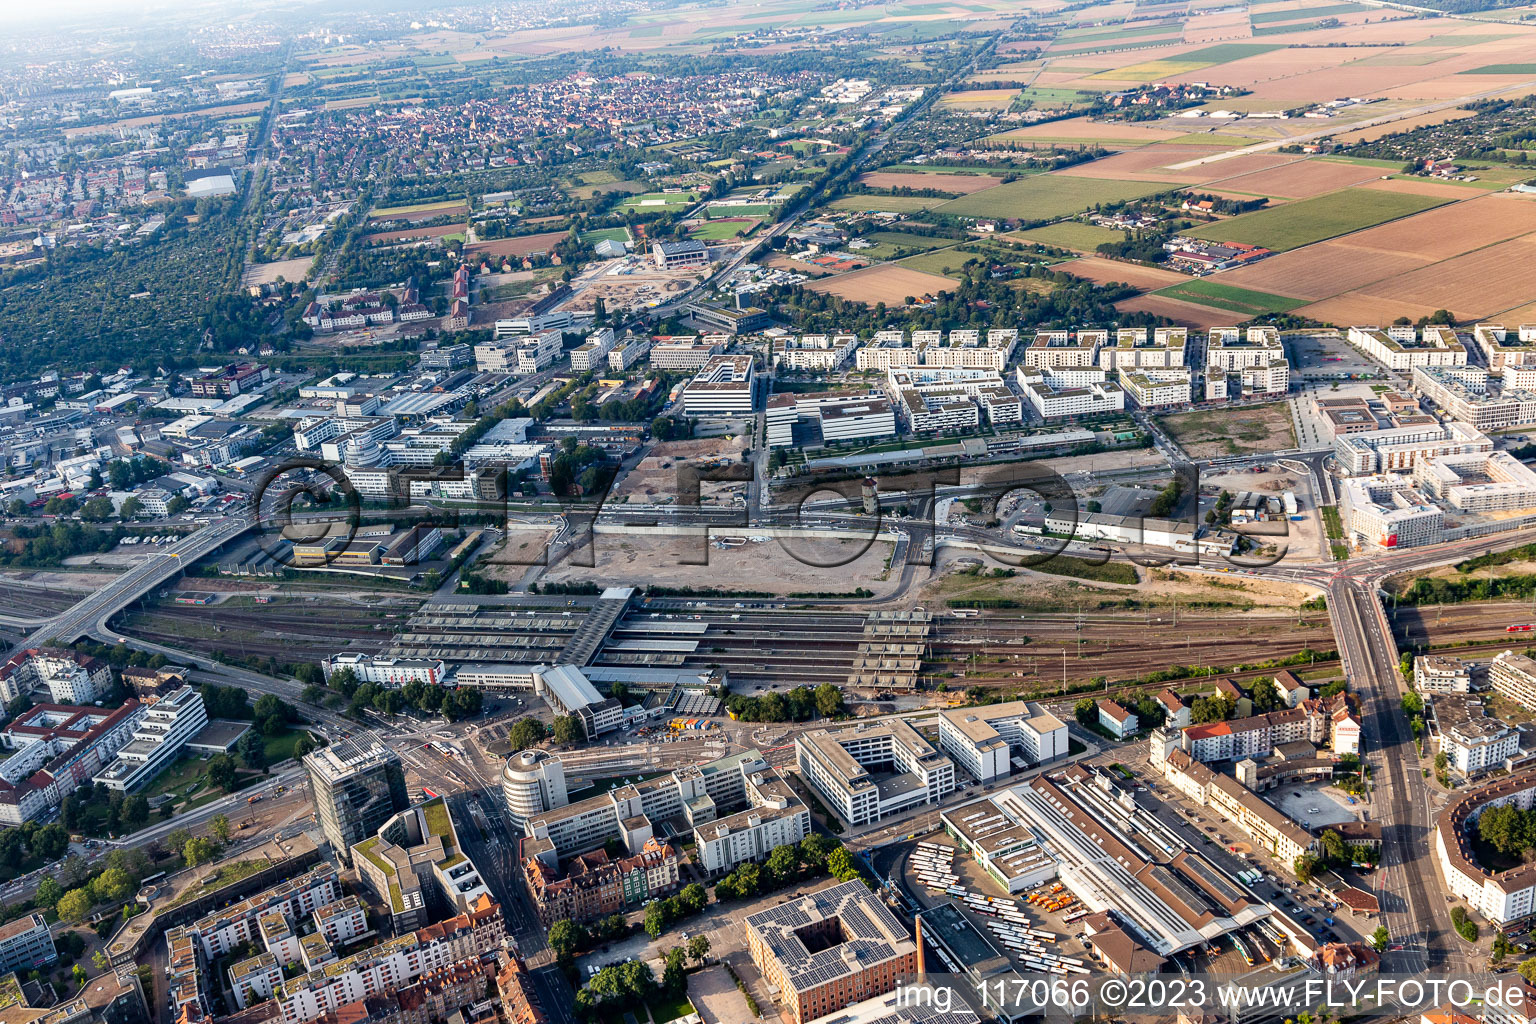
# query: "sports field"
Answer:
x=1043 y=196
x=722 y=230
x=1247 y=302
x=1312 y=220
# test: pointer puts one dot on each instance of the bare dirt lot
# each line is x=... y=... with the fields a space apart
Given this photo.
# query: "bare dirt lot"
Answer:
x=886 y=283
x=768 y=567
x=1235 y=431
x=654 y=480
x=268 y=273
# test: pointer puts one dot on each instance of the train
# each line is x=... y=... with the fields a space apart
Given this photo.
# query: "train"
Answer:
x=1524 y=627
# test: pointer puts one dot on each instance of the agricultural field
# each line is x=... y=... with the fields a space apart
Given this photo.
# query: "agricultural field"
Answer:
x=1046 y=197
x=889 y=204
x=1106 y=271
x=519 y=246
x=1070 y=234
x=888 y=283
x=1213 y=433
x=1312 y=220
x=420 y=211
x=959 y=184
x=944 y=262
x=1207 y=292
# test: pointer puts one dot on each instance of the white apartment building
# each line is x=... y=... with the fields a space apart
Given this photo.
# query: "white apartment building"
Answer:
x=1478 y=482
x=1152 y=388
x=815 y=352
x=1478 y=745
x=628 y=353
x=724 y=387
x=1502 y=897
x=1402 y=348
x=1462 y=391
x=1256 y=356
x=1387 y=512
x=888 y=349
x=1135 y=350
x=1514 y=676
x=1002 y=406
x=592 y=354
x=837 y=763
x=986 y=740
x=386 y=671
x=1064 y=349
x=1504 y=350
x=1059 y=394
x=158 y=738
x=1441 y=673
x=1398 y=449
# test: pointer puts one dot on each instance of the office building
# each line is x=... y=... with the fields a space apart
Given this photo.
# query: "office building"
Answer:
x=693 y=353
x=1387 y=512
x=988 y=742
x=532 y=782
x=592 y=354
x=417 y=867
x=358 y=784
x=158 y=738
x=724 y=387
x=627 y=353
x=26 y=944
x=567 y=691
x=743 y=320
x=1398 y=449
x=872 y=770
x=830 y=949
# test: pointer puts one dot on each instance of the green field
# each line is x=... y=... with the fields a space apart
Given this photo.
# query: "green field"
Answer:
x=1071 y=234
x=1206 y=292
x=604 y=235
x=1312 y=220
x=395 y=211
x=996 y=172
x=1044 y=196
x=1045 y=97
x=1185 y=63
x=1296 y=14
x=935 y=262
x=890 y=204
x=904 y=240
x=1503 y=69
x=721 y=230
x=744 y=210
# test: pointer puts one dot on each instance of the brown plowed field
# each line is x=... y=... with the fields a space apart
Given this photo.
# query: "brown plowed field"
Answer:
x=1186 y=313
x=963 y=184
x=1302 y=179
x=1102 y=271
x=391 y=237
x=1449 y=230
x=1471 y=286
x=888 y=284
x=1321 y=270
x=516 y=246
x=1359 y=308
x=1146 y=164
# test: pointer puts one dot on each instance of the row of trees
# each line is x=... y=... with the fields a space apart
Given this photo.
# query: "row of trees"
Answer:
x=455 y=704
x=798 y=705
x=813 y=856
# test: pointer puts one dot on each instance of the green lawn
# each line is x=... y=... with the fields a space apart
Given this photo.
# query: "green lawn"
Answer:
x=744 y=210
x=1206 y=292
x=667 y=1008
x=280 y=747
x=1296 y=14
x=1312 y=220
x=596 y=235
x=1042 y=196
x=935 y=262
x=720 y=230
x=1071 y=234
x=903 y=240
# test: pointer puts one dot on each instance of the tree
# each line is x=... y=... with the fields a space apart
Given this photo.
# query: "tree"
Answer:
x=253 y=751
x=783 y=864
x=78 y=973
x=566 y=938
x=692 y=897
x=829 y=700
x=111 y=886
x=1380 y=938
x=1335 y=853
x=569 y=731
x=655 y=918
x=219 y=828
x=1527 y=970
x=99 y=958
x=842 y=866
x=698 y=949
x=1086 y=711
x=75 y=906
x=526 y=732
x=674 y=977
x=199 y=850
x=129 y=508
x=48 y=892
x=221 y=772
x=177 y=505
x=1265 y=694
x=136 y=812
x=815 y=849
x=1305 y=866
